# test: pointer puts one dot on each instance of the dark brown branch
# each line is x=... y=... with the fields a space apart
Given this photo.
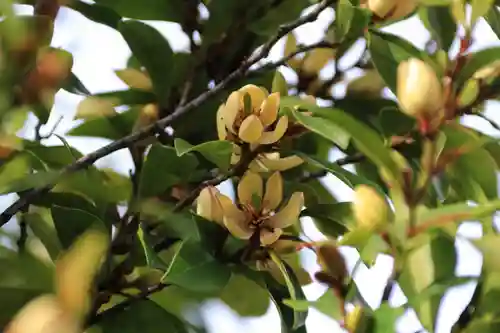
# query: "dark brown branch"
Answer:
x=87 y=160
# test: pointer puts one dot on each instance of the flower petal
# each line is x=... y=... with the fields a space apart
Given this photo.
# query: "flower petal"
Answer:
x=273 y=136
x=282 y=164
x=238 y=228
x=249 y=185
x=269 y=109
x=257 y=95
x=231 y=109
x=268 y=237
x=274 y=192
x=289 y=214
x=208 y=205
x=251 y=129
x=221 y=125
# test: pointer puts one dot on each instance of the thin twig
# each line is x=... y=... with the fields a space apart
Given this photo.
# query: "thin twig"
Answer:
x=89 y=159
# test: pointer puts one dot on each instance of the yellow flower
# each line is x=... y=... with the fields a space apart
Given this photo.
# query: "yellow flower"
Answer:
x=273 y=162
x=256 y=213
x=419 y=91
x=391 y=9
x=369 y=208
x=256 y=123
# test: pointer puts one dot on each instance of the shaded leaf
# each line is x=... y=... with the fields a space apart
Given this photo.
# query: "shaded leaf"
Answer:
x=172 y=10
x=439 y=21
x=194 y=269
x=163 y=168
x=97 y=13
x=153 y=52
x=477 y=61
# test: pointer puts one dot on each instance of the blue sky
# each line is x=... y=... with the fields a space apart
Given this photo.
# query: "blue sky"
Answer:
x=98 y=50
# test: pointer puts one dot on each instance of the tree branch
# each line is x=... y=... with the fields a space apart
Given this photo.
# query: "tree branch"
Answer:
x=87 y=160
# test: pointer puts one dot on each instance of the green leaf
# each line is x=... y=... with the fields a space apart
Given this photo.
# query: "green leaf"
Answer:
x=431 y=260
x=325 y=128
x=129 y=97
x=70 y=223
x=97 y=13
x=439 y=21
x=194 y=269
x=113 y=128
x=23 y=278
x=493 y=19
x=477 y=61
x=365 y=139
x=178 y=225
x=28 y=181
x=284 y=12
x=152 y=258
x=479 y=8
x=331 y=219
x=294 y=289
x=386 y=317
x=245 y=296
x=476 y=164
x=388 y=51
x=350 y=20
x=156 y=10
x=43 y=228
x=141 y=316
x=218 y=152
x=489 y=246
x=163 y=168
x=13 y=170
x=328 y=304
x=154 y=53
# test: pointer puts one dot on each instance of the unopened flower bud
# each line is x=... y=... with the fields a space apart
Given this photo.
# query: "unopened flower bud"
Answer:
x=419 y=91
x=391 y=9
x=332 y=261
x=370 y=209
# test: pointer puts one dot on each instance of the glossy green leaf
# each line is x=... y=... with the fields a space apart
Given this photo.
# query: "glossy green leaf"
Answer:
x=194 y=269
x=97 y=13
x=439 y=21
x=113 y=128
x=163 y=168
x=386 y=317
x=388 y=51
x=29 y=181
x=141 y=316
x=70 y=223
x=329 y=304
x=479 y=8
x=172 y=10
x=154 y=53
x=75 y=86
x=217 y=152
x=129 y=97
x=325 y=128
x=152 y=258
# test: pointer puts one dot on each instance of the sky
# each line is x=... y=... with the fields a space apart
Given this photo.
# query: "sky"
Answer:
x=99 y=50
